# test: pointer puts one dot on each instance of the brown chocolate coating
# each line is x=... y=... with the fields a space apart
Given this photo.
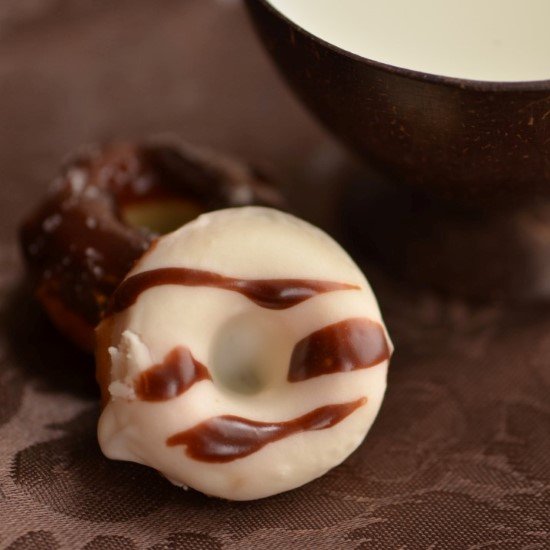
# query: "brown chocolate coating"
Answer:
x=77 y=244
x=227 y=438
x=341 y=347
x=268 y=293
x=174 y=376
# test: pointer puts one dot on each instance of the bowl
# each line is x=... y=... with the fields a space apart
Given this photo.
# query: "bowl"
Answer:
x=476 y=142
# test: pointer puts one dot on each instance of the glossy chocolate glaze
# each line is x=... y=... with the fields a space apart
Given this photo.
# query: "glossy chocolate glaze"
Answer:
x=349 y=345
x=227 y=438
x=268 y=293
x=78 y=250
x=77 y=245
x=174 y=376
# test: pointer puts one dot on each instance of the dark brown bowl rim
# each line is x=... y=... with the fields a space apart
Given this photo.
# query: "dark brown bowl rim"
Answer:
x=462 y=83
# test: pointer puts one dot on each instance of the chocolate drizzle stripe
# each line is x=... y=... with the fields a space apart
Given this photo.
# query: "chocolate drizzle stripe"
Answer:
x=174 y=376
x=349 y=345
x=227 y=438
x=267 y=293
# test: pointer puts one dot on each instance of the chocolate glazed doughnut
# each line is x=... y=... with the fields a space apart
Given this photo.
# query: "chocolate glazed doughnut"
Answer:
x=105 y=210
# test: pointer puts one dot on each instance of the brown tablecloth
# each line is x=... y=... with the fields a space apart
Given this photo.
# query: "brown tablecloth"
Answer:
x=460 y=454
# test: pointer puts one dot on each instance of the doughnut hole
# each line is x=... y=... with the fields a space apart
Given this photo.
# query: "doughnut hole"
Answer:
x=161 y=216
x=250 y=353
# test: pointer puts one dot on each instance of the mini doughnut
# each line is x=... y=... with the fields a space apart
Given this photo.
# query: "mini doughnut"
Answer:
x=104 y=211
x=244 y=355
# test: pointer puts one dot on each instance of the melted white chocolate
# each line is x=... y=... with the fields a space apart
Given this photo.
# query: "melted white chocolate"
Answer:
x=247 y=350
x=496 y=40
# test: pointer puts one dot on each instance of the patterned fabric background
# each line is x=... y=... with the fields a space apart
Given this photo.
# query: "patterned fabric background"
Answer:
x=460 y=454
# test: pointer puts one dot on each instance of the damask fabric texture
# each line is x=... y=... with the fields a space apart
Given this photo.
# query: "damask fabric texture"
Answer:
x=460 y=454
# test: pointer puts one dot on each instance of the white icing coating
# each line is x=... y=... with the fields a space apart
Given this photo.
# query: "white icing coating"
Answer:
x=223 y=328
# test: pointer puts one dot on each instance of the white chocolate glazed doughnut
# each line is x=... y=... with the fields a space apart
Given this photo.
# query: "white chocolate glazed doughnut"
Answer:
x=244 y=356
